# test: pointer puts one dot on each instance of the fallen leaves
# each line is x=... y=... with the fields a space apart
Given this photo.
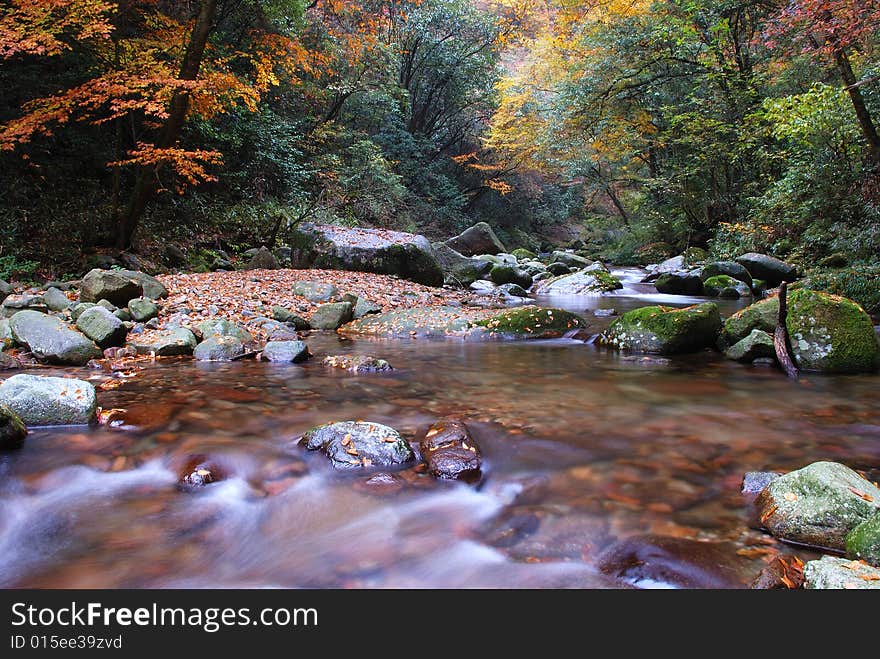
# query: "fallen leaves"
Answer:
x=862 y=495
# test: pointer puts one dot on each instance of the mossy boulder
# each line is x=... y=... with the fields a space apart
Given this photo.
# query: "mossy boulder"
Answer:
x=522 y=254
x=12 y=430
x=858 y=283
x=509 y=274
x=52 y=340
x=863 y=542
x=761 y=315
x=663 y=330
x=831 y=334
x=818 y=505
x=679 y=283
x=726 y=287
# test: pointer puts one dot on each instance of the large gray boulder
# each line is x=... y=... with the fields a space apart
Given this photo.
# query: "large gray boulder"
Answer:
x=223 y=327
x=55 y=299
x=570 y=259
x=5 y=289
x=315 y=291
x=592 y=280
x=164 y=343
x=110 y=285
x=102 y=327
x=153 y=288
x=331 y=316
x=263 y=259
x=863 y=542
x=818 y=505
x=405 y=255
x=478 y=239
x=663 y=330
x=52 y=340
x=219 y=349
x=48 y=401
x=458 y=269
x=287 y=352
x=770 y=269
x=359 y=444
x=142 y=309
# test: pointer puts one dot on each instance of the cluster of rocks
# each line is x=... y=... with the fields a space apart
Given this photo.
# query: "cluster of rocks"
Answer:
x=746 y=276
x=825 y=505
x=828 y=333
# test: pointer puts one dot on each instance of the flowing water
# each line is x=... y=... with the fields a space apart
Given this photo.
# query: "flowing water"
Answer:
x=593 y=460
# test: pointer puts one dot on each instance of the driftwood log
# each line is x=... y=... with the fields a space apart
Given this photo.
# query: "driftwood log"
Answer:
x=780 y=336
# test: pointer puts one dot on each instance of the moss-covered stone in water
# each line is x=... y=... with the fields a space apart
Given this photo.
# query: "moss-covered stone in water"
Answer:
x=761 y=316
x=664 y=330
x=532 y=322
x=522 y=253
x=831 y=333
x=508 y=274
x=726 y=287
x=863 y=542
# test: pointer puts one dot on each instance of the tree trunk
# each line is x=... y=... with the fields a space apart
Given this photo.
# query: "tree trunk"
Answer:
x=869 y=130
x=145 y=184
x=780 y=336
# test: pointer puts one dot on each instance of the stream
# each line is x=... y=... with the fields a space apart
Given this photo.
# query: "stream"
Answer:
x=600 y=469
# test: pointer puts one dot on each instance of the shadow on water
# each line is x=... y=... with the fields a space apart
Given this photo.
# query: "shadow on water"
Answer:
x=593 y=460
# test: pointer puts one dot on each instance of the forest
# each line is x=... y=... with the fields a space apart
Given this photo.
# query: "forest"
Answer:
x=638 y=128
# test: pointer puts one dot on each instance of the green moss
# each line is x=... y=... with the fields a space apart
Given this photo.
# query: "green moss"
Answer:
x=665 y=330
x=863 y=542
x=861 y=284
x=607 y=281
x=522 y=253
x=694 y=255
x=761 y=315
x=831 y=333
x=725 y=286
x=721 y=281
x=533 y=321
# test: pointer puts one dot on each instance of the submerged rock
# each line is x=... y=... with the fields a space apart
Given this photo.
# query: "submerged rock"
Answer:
x=450 y=452
x=198 y=472
x=770 y=269
x=110 y=285
x=52 y=340
x=48 y=401
x=286 y=351
x=358 y=363
x=818 y=505
x=359 y=444
x=663 y=330
x=830 y=572
x=331 y=316
x=164 y=343
x=478 y=239
x=12 y=429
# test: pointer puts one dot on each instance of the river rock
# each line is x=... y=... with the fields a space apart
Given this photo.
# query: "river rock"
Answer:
x=52 y=340
x=315 y=291
x=730 y=268
x=358 y=363
x=570 y=259
x=558 y=269
x=16 y=303
x=164 y=343
x=679 y=283
x=726 y=287
x=761 y=315
x=12 y=430
x=286 y=351
x=768 y=268
x=78 y=308
x=142 y=309
x=450 y=452
x=674 y=264
x=102 y=327
x=663 y=330
x=530 y=323
x=458 y=269
x=6 y=289
x=784 y=572
x=593 y=280
x=509 y=274
x=359 y=444
x=360 y=306
x=832 y=573
x=522 y=254
x=756 y=345
x=863 y=542
x=406 y=255
x=198 y=472
x=263 y=259
x=108 y=305
x=56 y=300
x=153 y=288
x=331 y=316
x=478 y=239
x=6 y=338
x=110 y=285
x=831 y=334
x=223 y=327
x=284 y=315
x=817 y=505
x=513 y=290
x=218 y=348
x=48 y=401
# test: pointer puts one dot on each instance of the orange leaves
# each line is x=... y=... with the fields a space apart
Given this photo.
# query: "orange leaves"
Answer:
x=47 y=27
x=188 y=164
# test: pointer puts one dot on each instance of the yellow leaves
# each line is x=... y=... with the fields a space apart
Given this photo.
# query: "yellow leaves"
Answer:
x=49 y=27
x=188 y=164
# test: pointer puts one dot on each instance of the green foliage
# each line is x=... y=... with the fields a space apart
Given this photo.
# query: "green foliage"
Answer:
x=12 y=267
x=861 y=284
